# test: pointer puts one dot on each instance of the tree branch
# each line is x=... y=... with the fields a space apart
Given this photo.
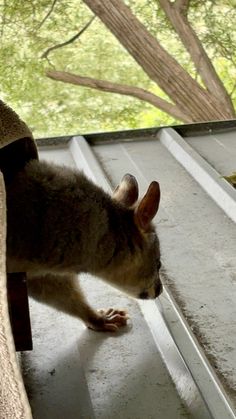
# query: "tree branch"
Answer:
x=3 y=18
x=106 y=86
x=177 y=14
x=63 y=44
x=48 y=14
x=182 y=5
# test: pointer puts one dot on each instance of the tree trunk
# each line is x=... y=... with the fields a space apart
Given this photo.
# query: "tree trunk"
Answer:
x=192 y=100
x=177 y=12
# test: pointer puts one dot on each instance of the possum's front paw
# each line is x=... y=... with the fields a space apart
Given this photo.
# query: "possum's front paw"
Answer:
x=108 y=320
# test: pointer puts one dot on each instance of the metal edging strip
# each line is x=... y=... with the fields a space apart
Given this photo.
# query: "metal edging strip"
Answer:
x=192 y=353
x=209 y=179
x=81 y=151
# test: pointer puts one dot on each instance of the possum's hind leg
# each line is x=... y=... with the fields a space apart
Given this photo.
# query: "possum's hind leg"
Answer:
x=63 y=292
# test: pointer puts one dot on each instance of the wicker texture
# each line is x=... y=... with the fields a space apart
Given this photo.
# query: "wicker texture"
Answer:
x=12 y=128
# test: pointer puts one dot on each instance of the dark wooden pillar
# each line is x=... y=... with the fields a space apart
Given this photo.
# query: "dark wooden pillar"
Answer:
x=19 y=310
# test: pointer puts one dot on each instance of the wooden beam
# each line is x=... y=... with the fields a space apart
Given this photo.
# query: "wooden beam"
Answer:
x=19 y=310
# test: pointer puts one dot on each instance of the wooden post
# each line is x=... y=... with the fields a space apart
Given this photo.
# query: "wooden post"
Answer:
x=19 y=310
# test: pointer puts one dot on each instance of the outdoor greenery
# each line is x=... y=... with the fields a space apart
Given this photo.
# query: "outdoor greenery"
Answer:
x=29 y=28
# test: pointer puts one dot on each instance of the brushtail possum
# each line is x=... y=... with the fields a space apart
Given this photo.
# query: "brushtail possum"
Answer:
x=60 y=224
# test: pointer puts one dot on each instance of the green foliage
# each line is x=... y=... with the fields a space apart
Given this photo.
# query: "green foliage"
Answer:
x=231 y=179
x=55 y=108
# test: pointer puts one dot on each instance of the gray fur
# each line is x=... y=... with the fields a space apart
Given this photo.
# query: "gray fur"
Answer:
x=61 y=224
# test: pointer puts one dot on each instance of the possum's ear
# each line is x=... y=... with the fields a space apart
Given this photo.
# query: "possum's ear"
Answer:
x=148 y=206
x=127 y=192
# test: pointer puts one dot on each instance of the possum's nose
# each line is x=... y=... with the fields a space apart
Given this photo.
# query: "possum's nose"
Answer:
x=144 y=295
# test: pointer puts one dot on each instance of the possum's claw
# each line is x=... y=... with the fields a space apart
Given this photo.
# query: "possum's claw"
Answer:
x=109 y=320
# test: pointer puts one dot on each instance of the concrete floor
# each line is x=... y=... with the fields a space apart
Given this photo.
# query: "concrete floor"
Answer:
x=77 y=373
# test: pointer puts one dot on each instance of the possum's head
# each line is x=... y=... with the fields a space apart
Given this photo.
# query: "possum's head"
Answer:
x=136 y=269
